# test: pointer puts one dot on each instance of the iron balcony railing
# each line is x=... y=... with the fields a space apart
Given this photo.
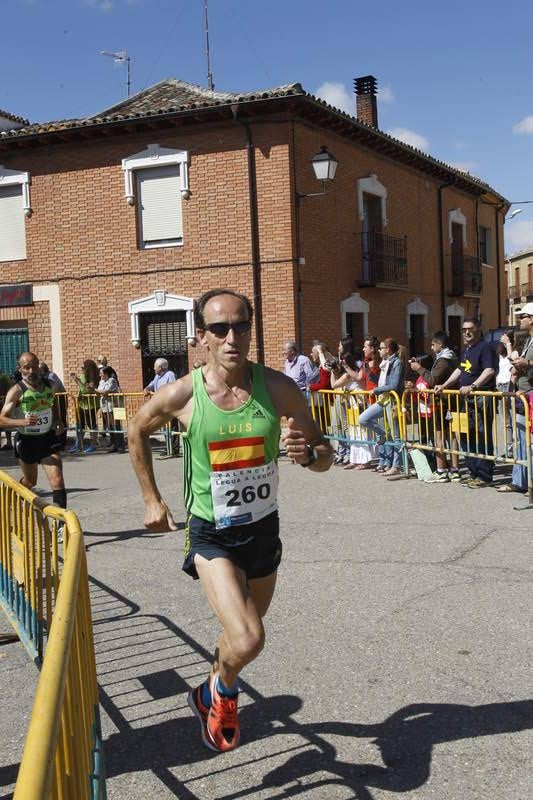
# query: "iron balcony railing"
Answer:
x=383 y=259
x=513 y=292
x=467 y=276
x=527 y=290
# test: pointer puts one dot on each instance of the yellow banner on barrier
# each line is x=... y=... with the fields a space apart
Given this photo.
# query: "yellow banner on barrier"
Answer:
x=352 y=416
x=459 y=422
x=18 y=560
x=119 y=414
x=411 y=429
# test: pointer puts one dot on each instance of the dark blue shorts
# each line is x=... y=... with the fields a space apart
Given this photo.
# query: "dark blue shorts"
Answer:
x=254 y=548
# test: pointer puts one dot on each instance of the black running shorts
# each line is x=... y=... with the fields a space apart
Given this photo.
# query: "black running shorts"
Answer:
x=254 y=548
x=32 y=449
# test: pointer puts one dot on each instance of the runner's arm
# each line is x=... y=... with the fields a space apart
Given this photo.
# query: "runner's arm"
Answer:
x=303 y=430
x=11 y=402
x=151 y=417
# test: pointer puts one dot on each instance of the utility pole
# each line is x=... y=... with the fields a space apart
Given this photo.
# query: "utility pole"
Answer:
x=210 y=84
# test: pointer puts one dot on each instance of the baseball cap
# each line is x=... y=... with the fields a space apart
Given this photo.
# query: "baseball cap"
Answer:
x=525 y=311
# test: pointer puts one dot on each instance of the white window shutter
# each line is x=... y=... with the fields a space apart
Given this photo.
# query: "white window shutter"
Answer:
x=159 y=196
x=12 y=224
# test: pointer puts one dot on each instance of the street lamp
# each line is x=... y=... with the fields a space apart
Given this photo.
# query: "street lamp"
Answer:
x=324 y=166
x=513 y=214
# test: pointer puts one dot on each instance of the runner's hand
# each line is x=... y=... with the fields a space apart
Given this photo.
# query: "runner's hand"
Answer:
x=295 y=443
x=30 y=419
x=158 y=518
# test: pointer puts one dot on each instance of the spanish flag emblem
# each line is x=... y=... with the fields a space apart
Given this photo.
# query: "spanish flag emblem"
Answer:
x=237 y=453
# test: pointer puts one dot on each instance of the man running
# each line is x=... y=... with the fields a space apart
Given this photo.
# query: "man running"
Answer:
x=230 y=410
x=30 y=408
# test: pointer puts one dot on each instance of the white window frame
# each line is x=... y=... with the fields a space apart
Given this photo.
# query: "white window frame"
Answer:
x=371 y=185
x=490 y=259
x=354 y=305
x=155 y=156
x=455 y=310
x=456 y=215
x=161 y=300
x=417 y=307
x=11 y=177
x=16 y=178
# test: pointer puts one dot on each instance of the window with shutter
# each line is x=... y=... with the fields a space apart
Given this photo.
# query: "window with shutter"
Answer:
x=159 y=203
x=12 y=227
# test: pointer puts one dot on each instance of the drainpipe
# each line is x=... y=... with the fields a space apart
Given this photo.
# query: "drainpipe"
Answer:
x=297 y=245
x=254 y=235
x=498 y=275
x=442 y=260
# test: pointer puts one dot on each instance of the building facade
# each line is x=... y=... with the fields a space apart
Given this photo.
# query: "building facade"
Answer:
x=519 y=282
x=111 y=225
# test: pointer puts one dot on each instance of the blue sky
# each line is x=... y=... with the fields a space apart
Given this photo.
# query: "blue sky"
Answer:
x=455 y=78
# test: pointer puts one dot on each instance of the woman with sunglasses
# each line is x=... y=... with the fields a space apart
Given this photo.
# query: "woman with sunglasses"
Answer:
x=230 y=410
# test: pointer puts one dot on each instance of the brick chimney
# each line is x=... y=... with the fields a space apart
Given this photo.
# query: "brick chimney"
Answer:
x=367 y=109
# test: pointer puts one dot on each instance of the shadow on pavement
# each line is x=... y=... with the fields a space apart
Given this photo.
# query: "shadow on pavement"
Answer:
x=146 y=665
x=124 y=536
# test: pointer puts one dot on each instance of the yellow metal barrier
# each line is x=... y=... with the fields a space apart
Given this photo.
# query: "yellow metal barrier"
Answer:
x=454 y=424
x=29 y=563
x=338 y=414
x=45 y=594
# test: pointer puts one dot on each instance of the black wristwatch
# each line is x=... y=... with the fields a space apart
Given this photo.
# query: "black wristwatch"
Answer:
x=313 y=455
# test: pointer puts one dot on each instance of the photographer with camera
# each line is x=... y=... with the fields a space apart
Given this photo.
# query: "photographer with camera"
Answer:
x=353 y=378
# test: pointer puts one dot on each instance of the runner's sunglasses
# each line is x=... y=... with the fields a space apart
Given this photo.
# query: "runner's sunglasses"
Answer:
x=221 y=329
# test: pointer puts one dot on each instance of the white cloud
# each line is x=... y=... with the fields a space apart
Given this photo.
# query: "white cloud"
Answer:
x=385 y=95
x=524 y=126
x=336 y=95
x=518 y=235
x=103 y=5
x=463 y=166
x=410 y=137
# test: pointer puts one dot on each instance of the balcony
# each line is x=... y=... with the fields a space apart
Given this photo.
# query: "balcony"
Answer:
x=514 y=293
x=527 y=291
x=383 y=259
x=467 y=278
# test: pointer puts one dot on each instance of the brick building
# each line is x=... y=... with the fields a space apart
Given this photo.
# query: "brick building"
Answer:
x=519 y=274
x=110 y=226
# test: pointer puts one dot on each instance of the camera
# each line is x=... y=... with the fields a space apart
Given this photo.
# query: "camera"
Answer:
x=333 y=364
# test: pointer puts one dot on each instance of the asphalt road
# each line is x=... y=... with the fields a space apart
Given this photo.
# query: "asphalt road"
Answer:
x=398 y=656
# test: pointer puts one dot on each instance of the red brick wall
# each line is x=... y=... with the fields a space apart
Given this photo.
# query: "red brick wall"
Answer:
x=333 y=258
x=83 y=236
x=37 y=319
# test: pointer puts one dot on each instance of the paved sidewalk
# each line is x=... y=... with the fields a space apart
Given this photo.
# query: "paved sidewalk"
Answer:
x=398 y=656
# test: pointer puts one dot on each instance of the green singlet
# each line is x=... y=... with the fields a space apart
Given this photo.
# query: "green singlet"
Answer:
x=231 y=470
x=40 y=402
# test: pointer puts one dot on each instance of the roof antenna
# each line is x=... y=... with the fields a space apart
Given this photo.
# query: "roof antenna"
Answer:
x=120 y=57
x=210 y=83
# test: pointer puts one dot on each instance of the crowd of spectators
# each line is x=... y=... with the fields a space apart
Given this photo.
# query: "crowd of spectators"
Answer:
x=365 y=423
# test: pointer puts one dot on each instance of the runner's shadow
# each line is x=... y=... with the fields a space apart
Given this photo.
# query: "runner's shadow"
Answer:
x=8 y=777
x=146 y=665
x=405 y=740
x=124 y=536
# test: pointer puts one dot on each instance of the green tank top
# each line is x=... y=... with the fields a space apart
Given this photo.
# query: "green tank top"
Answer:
x=40 y=402
x=230 y=457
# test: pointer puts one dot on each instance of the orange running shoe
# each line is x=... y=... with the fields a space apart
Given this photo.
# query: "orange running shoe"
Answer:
x=200 y=711
x=222 y=727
